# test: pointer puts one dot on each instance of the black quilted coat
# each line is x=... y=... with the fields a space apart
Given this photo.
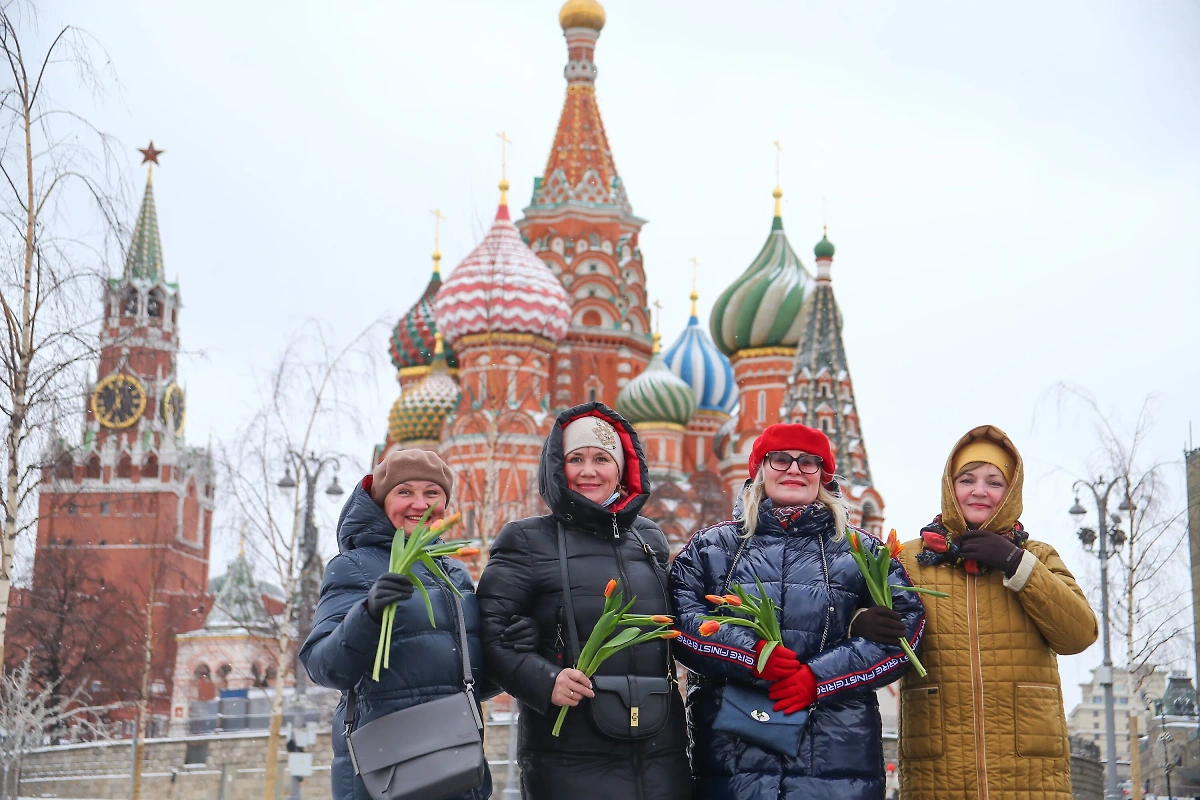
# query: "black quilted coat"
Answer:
x=523 y=577
x=841 y=751
x=340 y=651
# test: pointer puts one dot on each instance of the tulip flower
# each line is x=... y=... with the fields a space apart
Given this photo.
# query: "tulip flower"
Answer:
x=875 y=567
x=935 y=541
x=757 y=613
x=603 y=641
x=420 y=545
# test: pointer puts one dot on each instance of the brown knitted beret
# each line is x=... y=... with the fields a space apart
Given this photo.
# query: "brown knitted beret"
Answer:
x=399 y=466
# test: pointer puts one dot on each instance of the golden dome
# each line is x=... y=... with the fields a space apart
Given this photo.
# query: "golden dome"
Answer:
x=581 y=14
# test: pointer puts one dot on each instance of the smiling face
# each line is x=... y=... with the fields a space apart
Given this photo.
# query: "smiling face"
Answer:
x=407 y=502
x=790 y=487
x=593 y=473
x=979 y=491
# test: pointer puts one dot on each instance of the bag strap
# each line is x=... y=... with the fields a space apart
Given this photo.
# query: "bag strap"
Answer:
x=464 y=650
x=566 y=589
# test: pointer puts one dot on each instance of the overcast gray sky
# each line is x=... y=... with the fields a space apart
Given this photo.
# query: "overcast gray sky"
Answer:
x=1013 y=190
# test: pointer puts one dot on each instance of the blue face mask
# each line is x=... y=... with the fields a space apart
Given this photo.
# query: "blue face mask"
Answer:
x=615 y=496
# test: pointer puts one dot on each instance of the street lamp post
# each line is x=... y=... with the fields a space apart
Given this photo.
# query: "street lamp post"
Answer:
x=1100 y=491
x=308 y=469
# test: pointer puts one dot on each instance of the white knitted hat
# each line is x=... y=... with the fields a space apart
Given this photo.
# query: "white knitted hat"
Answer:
x=594 y=432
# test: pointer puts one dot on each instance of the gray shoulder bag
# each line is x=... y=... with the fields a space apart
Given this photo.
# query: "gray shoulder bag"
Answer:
x=430 y=751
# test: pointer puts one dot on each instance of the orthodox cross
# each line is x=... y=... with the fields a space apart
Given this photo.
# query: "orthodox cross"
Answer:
x=504 y=142
x=437 y=237
x=778 y=157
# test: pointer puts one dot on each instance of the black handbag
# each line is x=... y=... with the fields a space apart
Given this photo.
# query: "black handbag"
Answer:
x=747 y=711
x=430 y=751
x=625 y=706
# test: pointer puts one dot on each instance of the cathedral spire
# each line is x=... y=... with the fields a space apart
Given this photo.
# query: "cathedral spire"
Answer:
x=145 y=258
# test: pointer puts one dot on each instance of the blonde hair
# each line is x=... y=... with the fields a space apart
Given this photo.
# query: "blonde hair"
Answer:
x=753 y=493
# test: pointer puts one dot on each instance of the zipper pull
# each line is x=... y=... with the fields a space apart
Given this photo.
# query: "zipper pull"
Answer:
x=616 y=533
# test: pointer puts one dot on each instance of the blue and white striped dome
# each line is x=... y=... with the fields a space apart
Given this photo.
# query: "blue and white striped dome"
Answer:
x=695 y=358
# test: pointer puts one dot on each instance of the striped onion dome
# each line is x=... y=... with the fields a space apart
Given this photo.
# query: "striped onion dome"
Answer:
x=762 y=307
x=502 y=287
x=696 y=360
x=657 y=395
x=420 y=411
x=411 y=344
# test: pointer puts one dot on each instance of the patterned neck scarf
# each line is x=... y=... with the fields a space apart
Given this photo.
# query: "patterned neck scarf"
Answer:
x=942 y=547
x=785 y=514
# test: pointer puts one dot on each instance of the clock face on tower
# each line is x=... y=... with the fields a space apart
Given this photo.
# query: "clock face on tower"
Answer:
x=174 y=409
x=118 y=401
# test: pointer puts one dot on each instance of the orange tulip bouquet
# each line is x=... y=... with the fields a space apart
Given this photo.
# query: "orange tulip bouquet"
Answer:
x=756 y=613
x=419 y=546
x=603 y=642
x=875 y=568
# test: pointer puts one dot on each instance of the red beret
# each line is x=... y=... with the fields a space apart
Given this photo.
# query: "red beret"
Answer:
x=792 y=437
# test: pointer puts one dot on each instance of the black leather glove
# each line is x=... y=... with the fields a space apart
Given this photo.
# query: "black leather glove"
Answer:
x=992 y=550
x=879 y=624
x=389 y=588
x=521 y=635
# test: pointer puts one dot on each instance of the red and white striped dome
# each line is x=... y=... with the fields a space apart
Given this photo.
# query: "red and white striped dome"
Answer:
x=502 y=287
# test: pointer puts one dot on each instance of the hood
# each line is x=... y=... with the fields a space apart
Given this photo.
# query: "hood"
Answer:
x=569 y=506
x=362 y=523
x=1010 y=508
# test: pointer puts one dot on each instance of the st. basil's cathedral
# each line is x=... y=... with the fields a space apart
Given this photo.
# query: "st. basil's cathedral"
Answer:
x=551 y=310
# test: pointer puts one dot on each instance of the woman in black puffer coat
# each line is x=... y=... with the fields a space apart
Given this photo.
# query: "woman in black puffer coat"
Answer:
x=837 y=649
x=425 y=661
x=594 y=486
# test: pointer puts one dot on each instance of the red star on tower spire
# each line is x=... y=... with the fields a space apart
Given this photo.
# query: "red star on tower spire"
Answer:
x=150 y=155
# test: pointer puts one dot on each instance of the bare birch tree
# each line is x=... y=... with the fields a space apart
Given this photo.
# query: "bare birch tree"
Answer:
x=60 y=178
x=30 y=711
x=1149 y=584
x=305 y=403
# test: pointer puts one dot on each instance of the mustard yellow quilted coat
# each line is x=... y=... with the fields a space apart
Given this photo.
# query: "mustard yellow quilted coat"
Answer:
x=987 y=722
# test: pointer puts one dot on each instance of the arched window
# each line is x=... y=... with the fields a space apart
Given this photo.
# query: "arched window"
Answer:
x=150 y=466
x=154 y=304
x=129 y=302
x=92 y=469
x=125 y=467
x=64 y=467
x=202 y=683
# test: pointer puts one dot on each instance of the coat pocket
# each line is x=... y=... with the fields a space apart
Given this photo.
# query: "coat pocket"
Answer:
x=1041 y=724
x=921 y=725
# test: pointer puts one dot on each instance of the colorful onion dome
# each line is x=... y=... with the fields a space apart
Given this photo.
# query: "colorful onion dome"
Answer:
x=698 y=362
x=502 y=287
x=657 y=395
x=762 y=307
x=412 y=338
x=824 y=248
x=420 y=411
x=582 y=14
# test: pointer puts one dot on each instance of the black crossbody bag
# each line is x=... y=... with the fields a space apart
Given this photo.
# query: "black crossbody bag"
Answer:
x=625 y=706
x=430 y=751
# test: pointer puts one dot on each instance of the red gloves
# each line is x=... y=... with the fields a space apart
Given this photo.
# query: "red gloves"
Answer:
x=781 y=663
x=794 y=692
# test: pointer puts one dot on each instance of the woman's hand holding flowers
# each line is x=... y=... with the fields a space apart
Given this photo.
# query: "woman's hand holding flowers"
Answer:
x=389 y=588
x=992 y=550
x=570 y=687
x=781 y=663
x=878 y=624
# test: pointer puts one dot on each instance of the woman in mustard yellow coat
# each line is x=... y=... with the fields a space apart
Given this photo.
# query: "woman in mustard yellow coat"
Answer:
x=987 y=722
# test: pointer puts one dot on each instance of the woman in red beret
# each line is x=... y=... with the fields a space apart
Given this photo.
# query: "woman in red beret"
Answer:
x=789 y=533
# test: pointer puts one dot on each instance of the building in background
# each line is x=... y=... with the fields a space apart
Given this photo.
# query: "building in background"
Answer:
x=124 y=518
x=1086 y=720
x=558 y=315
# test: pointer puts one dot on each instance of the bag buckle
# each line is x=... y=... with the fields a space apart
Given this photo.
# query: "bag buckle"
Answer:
x=633 y=717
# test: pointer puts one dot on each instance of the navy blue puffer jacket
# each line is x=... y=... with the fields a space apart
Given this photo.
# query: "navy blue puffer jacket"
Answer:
x=340 y=651
x=841 y=752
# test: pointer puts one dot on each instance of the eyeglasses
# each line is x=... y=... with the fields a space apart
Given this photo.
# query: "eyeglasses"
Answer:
x=782 y=462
